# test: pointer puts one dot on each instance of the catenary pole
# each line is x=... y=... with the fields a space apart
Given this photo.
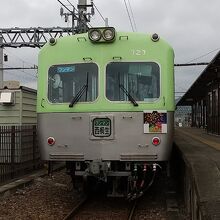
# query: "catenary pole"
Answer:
x=82 y=22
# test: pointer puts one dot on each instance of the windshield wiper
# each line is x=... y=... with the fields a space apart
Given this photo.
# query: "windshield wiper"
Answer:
x=78 y=96
x=80 y=93
x=128 y=95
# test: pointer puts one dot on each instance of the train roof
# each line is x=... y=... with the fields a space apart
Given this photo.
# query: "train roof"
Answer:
x=119 y=37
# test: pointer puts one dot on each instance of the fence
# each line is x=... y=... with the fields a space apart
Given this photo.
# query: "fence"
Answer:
x=19 y=153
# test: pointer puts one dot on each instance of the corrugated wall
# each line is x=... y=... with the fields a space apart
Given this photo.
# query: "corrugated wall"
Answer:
x=29 y=101
x=23 y=111
x=10 y=114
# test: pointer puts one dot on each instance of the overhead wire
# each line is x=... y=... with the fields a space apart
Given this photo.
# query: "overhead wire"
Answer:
x=20 y=69
x=28 y=74
x=22 y=79
x=31 y=76
x=203 y=55
x=132 y=15
x=72 y=6
x=193 y=64
x=19 y=58
x=99 y=12
x=64 y=6
x=189 y=63
x=132 y=27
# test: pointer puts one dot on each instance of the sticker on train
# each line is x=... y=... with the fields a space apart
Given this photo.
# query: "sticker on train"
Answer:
x=155 y=121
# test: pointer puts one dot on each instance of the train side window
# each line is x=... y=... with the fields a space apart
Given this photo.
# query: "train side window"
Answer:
x=66 y=80
x=140 y=79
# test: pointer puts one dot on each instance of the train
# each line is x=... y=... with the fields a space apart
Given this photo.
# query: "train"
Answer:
x=105 y=106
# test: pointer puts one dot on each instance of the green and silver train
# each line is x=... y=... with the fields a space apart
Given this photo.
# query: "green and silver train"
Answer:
x=106 y=106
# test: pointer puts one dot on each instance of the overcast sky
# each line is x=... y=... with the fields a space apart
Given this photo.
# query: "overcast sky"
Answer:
x=190 y=26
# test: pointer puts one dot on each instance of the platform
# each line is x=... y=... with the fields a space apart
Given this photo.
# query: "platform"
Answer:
x=201 y=153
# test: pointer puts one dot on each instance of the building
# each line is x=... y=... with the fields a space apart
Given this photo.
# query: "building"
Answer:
x=18 y=120
x=17 y=104
x=204 y=98
x=183 y=116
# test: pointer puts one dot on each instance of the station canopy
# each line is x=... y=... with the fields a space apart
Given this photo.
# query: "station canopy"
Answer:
x=199 y=88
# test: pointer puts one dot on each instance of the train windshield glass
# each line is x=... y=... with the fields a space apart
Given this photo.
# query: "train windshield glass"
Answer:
x=140 y=79
x=66 y=80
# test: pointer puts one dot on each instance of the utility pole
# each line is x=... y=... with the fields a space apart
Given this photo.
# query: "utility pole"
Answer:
x=80 y=15
x=1 y=63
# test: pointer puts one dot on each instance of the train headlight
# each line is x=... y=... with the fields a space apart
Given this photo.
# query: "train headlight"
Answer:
x=102 y=35
x=109 y=34
x=51 y=141
x=95 y=35
x=52 y=41
x=155 y=141
x=155 y=37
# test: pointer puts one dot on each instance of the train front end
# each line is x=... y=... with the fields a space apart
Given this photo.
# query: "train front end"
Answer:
x=106 y=107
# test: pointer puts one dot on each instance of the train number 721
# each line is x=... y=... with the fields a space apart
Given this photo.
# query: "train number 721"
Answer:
x=138 y=52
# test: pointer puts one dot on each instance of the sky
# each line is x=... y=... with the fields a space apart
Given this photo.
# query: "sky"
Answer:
x=190 y=26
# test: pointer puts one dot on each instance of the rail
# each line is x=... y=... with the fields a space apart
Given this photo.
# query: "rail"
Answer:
x=132 y=210
x=84 y=200
x=76 y=209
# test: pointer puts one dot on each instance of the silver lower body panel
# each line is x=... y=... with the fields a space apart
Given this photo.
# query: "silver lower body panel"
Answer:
x=75 y=139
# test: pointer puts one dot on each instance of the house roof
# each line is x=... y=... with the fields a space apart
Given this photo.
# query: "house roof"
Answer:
x=15 y=85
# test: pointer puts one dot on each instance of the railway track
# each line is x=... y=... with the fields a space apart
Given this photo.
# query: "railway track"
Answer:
x=76 y=208
x=132 y=211
x=159 y=203
x=78 y=212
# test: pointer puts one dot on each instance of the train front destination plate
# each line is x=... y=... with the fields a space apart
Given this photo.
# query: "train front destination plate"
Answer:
x=101 y=127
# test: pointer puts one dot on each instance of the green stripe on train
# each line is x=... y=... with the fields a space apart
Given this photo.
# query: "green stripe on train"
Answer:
x=126 y=48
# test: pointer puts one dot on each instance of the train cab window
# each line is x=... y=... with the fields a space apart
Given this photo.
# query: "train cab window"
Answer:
x=65 y=82
x=141 y=80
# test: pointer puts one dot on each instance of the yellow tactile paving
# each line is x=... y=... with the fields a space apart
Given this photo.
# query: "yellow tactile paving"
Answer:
x=209 y=142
